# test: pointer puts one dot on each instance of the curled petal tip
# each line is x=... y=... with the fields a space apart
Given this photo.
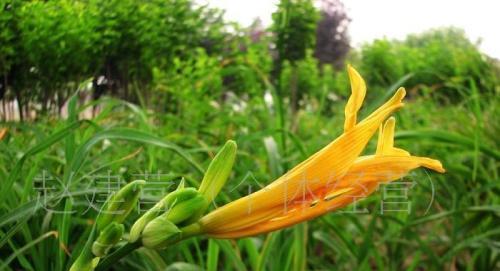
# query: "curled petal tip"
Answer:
x=439 y=167
x=401 y=93
x=358 y=93
x=432 y=164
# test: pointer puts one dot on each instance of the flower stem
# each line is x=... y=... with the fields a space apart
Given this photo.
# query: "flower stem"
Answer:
x=106 y=263
x=114 y=257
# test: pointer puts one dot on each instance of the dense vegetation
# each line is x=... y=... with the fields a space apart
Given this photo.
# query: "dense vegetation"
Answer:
x=171 y=82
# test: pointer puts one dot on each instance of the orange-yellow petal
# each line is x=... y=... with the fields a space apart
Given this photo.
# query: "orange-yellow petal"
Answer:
x=330 y=163
x=385 y=144
x=362 y=179
x=358 y=93
x=298 y=215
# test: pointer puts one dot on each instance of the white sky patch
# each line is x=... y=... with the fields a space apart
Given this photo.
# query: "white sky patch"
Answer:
x=373 y=19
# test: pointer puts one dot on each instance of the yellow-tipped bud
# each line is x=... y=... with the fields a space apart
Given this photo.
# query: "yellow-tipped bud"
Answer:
x=180 y=195
x=157 y=233
x=218 y=171
x=120 y=204
x=107 y=239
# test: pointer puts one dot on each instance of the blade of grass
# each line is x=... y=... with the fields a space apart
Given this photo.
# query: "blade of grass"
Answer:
x=470 y=241
x=300 y=247
x=43 y=145
x=390 y=91
x=232 y=254
x=12 y=231
x=267 y=250
x=447 y=137
x=252 y=252
x=129 y=135
x=64 y=223
x=26 y=247
x=212 y=255
x=476 y=108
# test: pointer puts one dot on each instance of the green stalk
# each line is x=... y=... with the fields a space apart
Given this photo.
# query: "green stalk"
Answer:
x=117 y=255
x=114 y=257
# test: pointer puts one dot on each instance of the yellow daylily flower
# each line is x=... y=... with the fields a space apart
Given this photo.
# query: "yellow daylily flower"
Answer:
x=330 y=179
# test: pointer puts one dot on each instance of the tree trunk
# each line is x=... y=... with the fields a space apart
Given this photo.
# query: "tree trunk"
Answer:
x=293 y=90
x=4 y=111
x=294 y=97
x=2 y=97
x=20 y=105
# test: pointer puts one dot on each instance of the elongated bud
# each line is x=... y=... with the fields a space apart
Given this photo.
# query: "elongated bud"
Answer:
x=186 y=209
x=107 y=239
x=120 y=204
x=163 y=205
x=178 y=196
x=157 y=233
x=218 y=171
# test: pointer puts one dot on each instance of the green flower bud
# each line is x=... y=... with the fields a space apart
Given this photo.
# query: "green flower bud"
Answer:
x=217 y=173
x=120 y=204
x=158 y=232
x=163 y=205
x=186 y=209
x=178 y=196
x=140 y=224
x=107 y=239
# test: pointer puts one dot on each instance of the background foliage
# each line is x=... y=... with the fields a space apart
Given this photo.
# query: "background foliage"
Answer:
x=169 y=82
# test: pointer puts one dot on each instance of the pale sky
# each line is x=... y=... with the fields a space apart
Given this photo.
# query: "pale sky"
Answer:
x=373 y=19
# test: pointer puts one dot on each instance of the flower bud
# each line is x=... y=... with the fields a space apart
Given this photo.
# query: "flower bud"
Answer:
x=120 y=204
x=107 y=239
x=186 y=209
x=157 y=233
x=217 y=173
x=163 y=205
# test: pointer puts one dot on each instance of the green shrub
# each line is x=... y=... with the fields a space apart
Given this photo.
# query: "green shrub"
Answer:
x=443 y=60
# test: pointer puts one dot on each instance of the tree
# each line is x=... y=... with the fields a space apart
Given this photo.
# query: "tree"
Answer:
x=332 y=38
x=294 y=26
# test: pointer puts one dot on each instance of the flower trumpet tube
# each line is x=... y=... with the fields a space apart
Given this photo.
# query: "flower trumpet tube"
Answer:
x=330 y=179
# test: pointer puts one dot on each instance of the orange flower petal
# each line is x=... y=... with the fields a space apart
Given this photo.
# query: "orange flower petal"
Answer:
x=330 y=163
x=362 y=180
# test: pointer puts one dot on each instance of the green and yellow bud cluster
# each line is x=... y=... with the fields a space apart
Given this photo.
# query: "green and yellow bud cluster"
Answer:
x=171 y=219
